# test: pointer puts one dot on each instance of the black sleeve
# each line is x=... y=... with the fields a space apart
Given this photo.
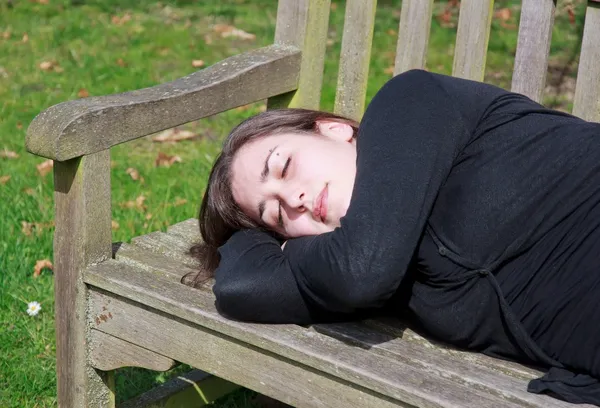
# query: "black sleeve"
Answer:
x=410 y=135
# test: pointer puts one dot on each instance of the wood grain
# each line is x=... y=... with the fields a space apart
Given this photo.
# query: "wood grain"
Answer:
x=84 y=126
x=82 y=237
x=533 y=47
x=109 y=353
x=392 y=378
x=287 y=380
x=355 y=57
x=413 y=35
x=587 y=91
x=474 y=23
x=303 y=24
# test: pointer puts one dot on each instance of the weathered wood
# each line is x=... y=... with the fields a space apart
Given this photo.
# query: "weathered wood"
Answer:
x=303 y=24
x=587 y=91
x=374 y=383
x=89 y=125
x=388 y=377
x=533 y=47
x=109 y=353
x=171 y=246
x=193 y=389
x=477 y=375
x=82 y=237
x=355 y=57
x=397 y=328
x=474 y=23
x=170 y=268
x=413 y=35
x=187 y=230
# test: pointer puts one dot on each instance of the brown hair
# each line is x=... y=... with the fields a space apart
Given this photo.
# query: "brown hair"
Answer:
x=220 y=216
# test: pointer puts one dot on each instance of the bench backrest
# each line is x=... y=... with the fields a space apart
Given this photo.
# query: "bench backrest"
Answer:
x=303 y=23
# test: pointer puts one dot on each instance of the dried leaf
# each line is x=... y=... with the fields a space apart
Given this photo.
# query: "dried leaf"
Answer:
x=4 y=179
x=174 y=135
x=197 y=63
x=165 y=160
x=226 y=31
x=392 y=32
x=25 y=38
x=179 y=201
x=503 y=14
x=46 y=65
x=121 y=63
x=83 y=93
x=19 y=125
x=51 y=66
x=40 y=265
x=329 y=42
x=148 y=216
x=8 y=154
x=29 y=191
x=6 y=34
x=45 y=167
x=333 y=6
x=121 y=20
x=135 y=175
x=571 y=13
x=389 y=70
x=445 y=18
x=114 y=225
x=26 y=228
x=138 y=203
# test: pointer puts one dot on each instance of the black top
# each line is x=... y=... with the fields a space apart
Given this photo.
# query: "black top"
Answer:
x=475 y=211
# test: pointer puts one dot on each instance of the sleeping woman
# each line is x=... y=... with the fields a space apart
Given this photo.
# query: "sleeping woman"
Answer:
x=471 y=210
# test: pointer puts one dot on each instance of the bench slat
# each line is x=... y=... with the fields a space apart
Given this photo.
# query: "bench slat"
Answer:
x=187 y=230
x=462 y=371
x=170 y=268
x=391 y=378
x=474 y=23
x=109 y=352
x=355 y=58
x=399 y=329
x=170 y=245
x=230 y=359
x=587 y=91
x=533 y=48
x=303 y=24
x=413 y=35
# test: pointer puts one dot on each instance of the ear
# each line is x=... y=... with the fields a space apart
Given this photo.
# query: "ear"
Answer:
x=340 y=131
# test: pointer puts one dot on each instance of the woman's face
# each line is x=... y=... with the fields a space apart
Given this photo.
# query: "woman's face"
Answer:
x=297 y=184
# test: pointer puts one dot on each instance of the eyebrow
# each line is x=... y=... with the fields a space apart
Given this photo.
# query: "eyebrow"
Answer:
x=263 y=177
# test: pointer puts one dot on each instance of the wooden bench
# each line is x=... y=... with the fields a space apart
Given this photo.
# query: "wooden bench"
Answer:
x=123 y=304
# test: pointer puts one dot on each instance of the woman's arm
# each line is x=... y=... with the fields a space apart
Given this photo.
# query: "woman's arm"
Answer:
x=409 y=138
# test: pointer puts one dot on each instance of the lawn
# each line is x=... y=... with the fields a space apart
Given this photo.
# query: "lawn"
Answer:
x=57 y=50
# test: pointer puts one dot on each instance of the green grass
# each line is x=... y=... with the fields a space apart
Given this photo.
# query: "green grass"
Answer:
x=157 y=44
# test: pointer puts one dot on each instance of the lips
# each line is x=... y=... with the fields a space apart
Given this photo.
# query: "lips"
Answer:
x=320 y=204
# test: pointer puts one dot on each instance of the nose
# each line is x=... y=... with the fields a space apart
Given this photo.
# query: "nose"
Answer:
x=294 y=198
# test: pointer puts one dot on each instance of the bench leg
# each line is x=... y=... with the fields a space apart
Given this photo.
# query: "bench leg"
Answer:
x=82 y=237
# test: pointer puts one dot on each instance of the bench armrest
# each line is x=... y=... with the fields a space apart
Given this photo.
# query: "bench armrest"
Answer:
x=85 y=126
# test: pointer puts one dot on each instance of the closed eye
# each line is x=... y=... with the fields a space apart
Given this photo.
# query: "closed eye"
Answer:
x=283 y=174
x=285 y=167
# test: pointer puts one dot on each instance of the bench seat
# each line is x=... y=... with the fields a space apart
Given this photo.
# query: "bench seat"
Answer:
x=137 y=297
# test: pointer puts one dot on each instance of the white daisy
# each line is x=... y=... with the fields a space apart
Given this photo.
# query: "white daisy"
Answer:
x=33 y=308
